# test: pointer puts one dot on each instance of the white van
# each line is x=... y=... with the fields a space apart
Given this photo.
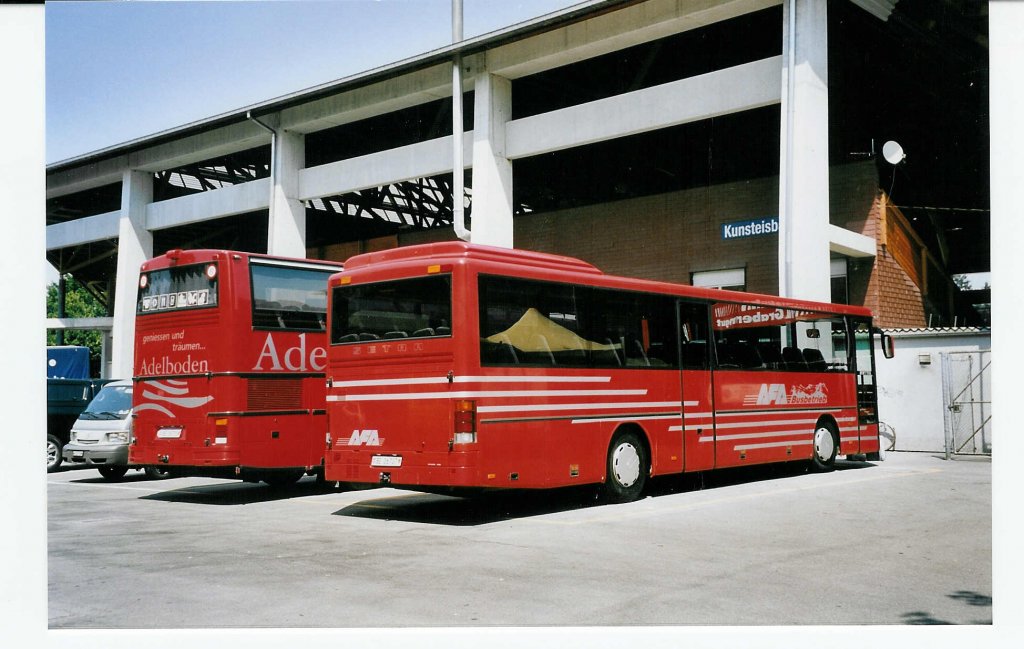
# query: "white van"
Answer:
x=100 y=435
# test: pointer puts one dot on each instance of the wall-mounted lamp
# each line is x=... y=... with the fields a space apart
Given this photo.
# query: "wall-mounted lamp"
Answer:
x=924 y=359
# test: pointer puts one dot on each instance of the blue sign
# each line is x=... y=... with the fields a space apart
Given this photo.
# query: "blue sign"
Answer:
x=751 y=228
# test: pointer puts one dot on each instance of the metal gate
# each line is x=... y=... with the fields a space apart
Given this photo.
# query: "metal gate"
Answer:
x=967 y=399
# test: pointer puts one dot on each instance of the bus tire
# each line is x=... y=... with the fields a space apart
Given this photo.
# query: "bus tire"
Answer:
x=53 y=453
x=113 y=472
x=824 y=448
x=157 y=473
x=627 y=468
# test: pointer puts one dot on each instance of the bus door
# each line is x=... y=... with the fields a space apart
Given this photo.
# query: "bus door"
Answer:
x=867 y=392
x=698 y=418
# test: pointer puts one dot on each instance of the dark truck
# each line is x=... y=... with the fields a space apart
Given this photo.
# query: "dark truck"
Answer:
x=65 y=400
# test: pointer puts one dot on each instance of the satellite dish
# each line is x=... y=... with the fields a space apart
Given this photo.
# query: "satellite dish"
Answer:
x=893 y=152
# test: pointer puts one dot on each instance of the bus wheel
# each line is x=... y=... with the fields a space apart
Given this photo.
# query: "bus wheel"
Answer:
x=627 y=468
x=53 y=457
x=113 y=472
x=825 y=448
x=156 y=473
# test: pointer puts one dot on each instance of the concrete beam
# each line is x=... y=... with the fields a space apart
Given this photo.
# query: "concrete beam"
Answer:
x=199 y=147
x=90 y=176
x=134 y=246
x=100 y=324
x=204 y=206
x=803 y=159
x=379 y=98
x=641 y=23
x=418 y=160
x=100 y=227
x=850 y=243
x=286 y=227
x=743 y=87
x=492 y=170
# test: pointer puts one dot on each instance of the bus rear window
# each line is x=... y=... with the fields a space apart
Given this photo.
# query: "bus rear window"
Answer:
x=289 y=296
x=409 y=308
x=183 y=287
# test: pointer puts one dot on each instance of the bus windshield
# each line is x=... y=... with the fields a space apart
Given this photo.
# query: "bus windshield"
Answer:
x=420 y=307
x=193 y=286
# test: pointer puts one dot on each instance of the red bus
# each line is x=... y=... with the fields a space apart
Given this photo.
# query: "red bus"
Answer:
x=453 y=366
x=230 y=357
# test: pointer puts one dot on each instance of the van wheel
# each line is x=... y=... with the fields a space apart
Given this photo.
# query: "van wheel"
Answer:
x=826 y=445
x=627 y=468
x=53 y=457
x=113 y=472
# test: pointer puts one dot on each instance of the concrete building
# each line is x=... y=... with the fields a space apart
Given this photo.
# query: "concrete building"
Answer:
x=715 y=142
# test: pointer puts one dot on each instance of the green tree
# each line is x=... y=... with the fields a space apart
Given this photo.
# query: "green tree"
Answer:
x=78 y=303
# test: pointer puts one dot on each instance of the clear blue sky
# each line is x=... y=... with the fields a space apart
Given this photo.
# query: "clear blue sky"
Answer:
x=116 y=71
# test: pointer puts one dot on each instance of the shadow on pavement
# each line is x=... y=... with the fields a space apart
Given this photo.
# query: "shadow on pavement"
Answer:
x=241 y=493
x=491 y=507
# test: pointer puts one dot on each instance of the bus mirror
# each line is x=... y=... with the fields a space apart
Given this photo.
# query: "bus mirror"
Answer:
x=888 y=344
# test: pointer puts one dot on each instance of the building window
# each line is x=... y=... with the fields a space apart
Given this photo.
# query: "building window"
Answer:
x=838 y=276
x=733 y=279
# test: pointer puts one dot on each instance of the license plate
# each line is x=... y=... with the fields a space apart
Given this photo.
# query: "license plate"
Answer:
x=169 y=433
x=77 y=453
x=386 y=460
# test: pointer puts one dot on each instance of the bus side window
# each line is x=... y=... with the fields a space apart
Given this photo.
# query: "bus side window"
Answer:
x=693 y=335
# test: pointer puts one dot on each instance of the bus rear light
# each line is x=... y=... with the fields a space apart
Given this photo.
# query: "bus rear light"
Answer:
x=465 y=421
x=220 y=426
x=438 y=268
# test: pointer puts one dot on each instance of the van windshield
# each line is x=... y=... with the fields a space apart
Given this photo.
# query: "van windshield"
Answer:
x=112 y=402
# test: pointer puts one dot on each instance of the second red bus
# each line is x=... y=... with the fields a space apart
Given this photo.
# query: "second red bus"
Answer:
x=453 y=366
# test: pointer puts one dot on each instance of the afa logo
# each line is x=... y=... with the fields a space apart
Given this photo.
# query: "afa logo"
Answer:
x=368 y=437
x=777 y=394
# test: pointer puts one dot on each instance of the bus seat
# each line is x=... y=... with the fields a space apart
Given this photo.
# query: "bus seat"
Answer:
x=748 y=357
x=815 y=361
x=794 y=359
x=771 y=355
x=395 y=334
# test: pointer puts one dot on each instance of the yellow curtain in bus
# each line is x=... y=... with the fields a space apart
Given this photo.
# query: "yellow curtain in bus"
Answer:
x=535 y=333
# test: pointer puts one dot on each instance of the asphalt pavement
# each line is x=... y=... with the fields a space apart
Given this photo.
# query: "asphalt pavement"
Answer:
x=906 y=541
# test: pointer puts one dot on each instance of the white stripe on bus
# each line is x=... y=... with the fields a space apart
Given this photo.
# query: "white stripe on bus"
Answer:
x=601 y=420
x=578 y=406
x=440 y=380
x=483 y=394
x=744 y=447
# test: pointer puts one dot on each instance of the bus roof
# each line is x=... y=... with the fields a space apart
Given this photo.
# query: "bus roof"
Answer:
x=454 y=250
x=520 y=260
x=199 y=255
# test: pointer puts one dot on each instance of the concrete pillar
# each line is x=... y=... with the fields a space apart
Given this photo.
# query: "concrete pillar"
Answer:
x=492 y=170
x=286 y=234
x=134 y=246
x=803 y=169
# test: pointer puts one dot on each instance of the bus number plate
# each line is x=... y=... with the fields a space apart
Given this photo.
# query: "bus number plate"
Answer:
x=386 y=460
x=169 y=433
